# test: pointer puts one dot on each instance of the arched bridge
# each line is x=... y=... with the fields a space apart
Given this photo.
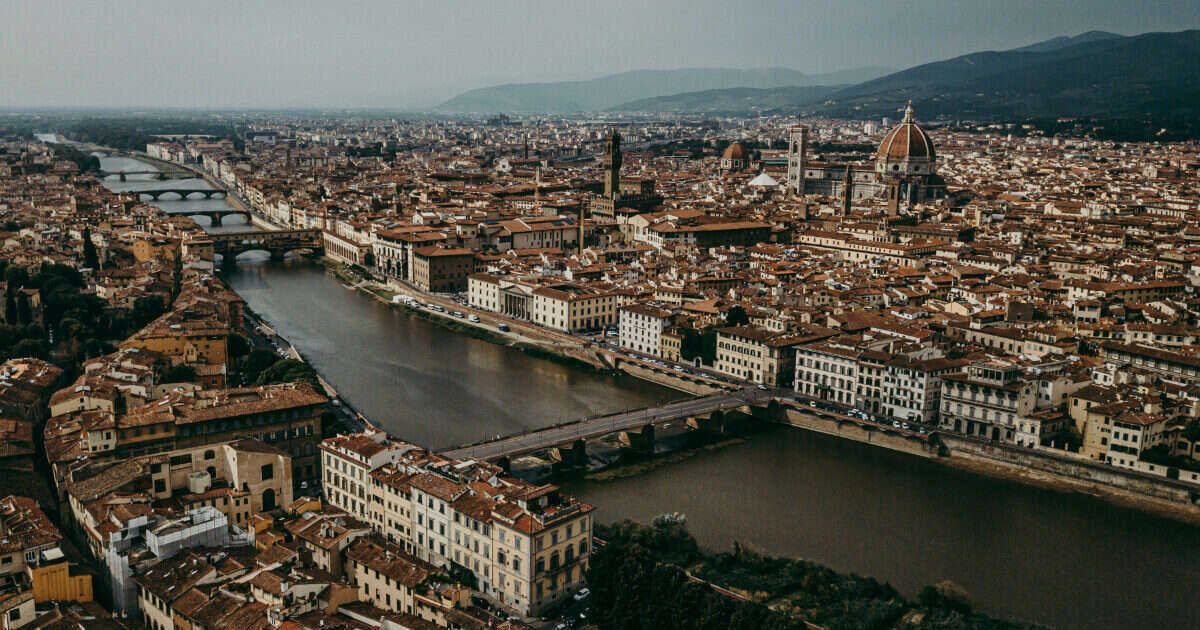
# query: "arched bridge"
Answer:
x=214 y=216
x=593 y=427
x=184 y=193
x=277 y=243
x=123 y=174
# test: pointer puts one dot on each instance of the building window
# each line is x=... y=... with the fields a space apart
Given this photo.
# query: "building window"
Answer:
x=268 y=471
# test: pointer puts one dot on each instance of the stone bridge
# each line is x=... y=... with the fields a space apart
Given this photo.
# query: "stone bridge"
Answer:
x=588 y=428
x=123 y=174
x=277 y=243
x=183 y=193
x=215 y=217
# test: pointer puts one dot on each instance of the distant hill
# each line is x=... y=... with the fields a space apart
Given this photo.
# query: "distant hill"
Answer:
x=1063 y=41
x=730 y=101
x=1095 y=74
x=613 y=90
x=849 y=77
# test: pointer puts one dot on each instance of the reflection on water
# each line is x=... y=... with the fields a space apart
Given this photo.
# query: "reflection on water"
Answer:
x=1069 y=560
x=419 y=380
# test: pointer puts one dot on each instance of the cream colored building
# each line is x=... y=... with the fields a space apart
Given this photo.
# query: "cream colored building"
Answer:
x=641 y=326
x=526 y=545
x=757 y=355
x=571 y=308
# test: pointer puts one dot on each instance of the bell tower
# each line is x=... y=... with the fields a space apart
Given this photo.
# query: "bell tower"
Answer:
x=611 y=163
x=797 y=152
x=847 y=192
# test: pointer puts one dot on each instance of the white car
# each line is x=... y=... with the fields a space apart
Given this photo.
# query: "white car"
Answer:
x=582 y=594
x=473 y=318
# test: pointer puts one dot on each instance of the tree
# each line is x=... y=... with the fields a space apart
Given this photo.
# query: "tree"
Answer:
x=256 y=362
x=690 y=347
x=238 y=346
x=289 y=371
x=708 y=345
x=946 y=595
x=737 y=316
x=16 y=277
x=90 y=258
x=10 y=305
x=24 y=310
x=30 y=348
x=146 y=309
x=180 y=374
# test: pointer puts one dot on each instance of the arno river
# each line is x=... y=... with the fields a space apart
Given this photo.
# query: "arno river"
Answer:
x=1066 y=560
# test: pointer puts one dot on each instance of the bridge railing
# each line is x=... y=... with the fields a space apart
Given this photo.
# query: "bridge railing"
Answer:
x=585 y=419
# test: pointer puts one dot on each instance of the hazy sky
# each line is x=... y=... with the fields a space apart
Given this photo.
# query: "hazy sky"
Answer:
x=287 y=53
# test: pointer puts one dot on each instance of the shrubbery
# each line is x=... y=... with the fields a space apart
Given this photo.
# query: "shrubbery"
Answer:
x=640 y=580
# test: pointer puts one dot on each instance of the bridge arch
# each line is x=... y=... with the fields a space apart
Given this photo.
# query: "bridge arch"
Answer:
x=216 y=217
x=229 y=245
x=184 y=194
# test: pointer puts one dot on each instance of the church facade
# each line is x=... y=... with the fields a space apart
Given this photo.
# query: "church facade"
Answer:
x=906 y=163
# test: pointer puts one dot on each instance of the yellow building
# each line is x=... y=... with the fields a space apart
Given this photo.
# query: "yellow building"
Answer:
x=56 y=579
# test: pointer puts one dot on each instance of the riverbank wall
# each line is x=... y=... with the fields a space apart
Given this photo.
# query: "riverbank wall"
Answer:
x=1179 y=500
x=667 y=378
x=851 y=430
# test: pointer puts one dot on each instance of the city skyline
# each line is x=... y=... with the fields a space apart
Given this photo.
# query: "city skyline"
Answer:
x=413 y=56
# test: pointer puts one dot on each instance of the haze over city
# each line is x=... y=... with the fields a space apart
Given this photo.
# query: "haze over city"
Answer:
x=413 y=55
x=654 y=315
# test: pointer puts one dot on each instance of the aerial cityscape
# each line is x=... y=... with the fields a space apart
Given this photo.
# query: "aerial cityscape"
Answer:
x=411 y=316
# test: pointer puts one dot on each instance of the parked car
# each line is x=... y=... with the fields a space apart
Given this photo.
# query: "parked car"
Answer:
x=473 y=318
x=503 y=328
x=896 y=423
x=458 y=314
x=582 y=594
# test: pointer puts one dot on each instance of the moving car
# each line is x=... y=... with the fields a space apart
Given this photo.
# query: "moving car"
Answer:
x=473 y=318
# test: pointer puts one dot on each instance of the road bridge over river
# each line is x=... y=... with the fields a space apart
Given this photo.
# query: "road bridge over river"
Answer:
x=588 y=428
x=275 y=242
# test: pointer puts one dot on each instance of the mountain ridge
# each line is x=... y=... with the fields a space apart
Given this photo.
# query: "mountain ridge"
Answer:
x=1096 y=77
x=609 y=91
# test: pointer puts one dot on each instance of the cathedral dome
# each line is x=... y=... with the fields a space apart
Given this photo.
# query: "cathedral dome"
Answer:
x=734 y=151
x=906 y=148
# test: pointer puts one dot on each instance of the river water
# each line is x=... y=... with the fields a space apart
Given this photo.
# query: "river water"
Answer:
x=1067 y=560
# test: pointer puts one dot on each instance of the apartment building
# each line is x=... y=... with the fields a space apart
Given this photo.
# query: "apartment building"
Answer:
x=346 y=464
x=911 y=388
x=572 y=307
x=641 y=326
x=526 y=545
x=987 y=400
x=827 y=370
x=442 y=269
x=1117 y=425
x=31 y=557
x=286 y=416
x=760 y=355
x=386 y=575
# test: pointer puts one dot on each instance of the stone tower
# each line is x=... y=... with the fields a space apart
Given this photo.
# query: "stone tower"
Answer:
x=797 y=160
x=847 y=192
x=612 y=167
x=893 y=199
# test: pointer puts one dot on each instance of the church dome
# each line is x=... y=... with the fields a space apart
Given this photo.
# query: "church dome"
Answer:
x=735 y=151
x=906 y=141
